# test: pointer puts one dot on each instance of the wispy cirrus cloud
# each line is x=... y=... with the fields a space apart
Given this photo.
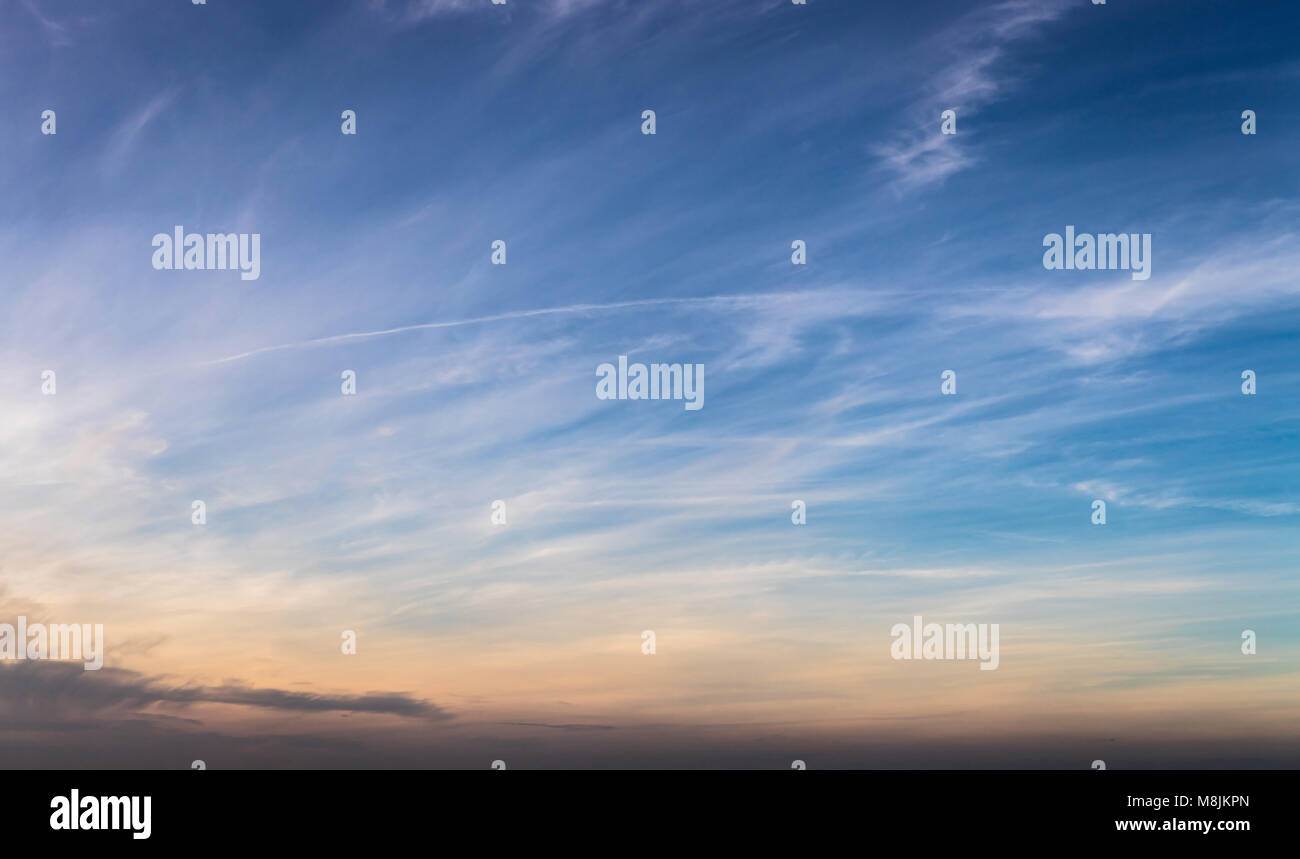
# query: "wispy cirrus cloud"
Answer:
x=417 y=11
x=966 y=77
x=126 y=137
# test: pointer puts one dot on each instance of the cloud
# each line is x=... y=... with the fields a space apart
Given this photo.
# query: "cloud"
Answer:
x=1163 y=500
x=724 y=301
x=57 y=688
x=123 y=139
x=59 y=33
x=921 y=156
x=1112 y=317
x=417 y=11
x=560 y=727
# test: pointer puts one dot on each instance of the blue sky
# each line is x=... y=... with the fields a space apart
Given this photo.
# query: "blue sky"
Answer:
x=476 y=382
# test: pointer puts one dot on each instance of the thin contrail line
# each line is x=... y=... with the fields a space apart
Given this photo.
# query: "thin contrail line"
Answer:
x=514 y=314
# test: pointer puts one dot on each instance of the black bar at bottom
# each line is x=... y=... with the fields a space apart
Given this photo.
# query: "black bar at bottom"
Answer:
x=624 y=811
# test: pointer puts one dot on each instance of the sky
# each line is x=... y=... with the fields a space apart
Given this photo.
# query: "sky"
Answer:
x=523 y=642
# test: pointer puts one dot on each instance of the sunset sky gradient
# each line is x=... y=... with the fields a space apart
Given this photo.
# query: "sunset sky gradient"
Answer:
x=476 y=382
